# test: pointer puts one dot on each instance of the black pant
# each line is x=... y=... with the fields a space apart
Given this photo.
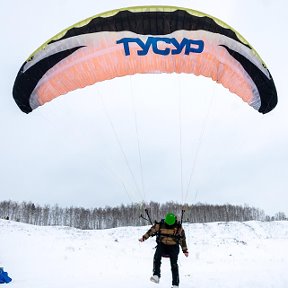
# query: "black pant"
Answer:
x=171 y=251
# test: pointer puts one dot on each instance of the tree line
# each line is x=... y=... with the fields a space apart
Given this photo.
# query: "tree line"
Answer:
x=128 y=215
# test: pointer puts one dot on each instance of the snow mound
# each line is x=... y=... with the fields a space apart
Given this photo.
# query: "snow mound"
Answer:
x=227 y=255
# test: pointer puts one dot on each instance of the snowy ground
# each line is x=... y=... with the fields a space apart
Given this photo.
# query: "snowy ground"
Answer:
x=251 y=255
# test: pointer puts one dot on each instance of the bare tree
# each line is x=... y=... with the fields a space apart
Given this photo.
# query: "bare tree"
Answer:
x=128 y=215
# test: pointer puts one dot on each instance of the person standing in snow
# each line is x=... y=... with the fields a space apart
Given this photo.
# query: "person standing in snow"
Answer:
x=169 y=235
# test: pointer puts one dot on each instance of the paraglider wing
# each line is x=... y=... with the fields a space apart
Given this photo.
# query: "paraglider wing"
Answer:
x=144 y=40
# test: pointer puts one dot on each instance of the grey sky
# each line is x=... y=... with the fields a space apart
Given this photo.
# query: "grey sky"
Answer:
x=68 y=151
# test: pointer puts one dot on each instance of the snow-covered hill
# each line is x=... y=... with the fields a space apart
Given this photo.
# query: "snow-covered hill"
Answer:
x=222 y=255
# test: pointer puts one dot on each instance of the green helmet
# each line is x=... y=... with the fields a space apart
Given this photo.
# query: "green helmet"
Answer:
x=170 y=219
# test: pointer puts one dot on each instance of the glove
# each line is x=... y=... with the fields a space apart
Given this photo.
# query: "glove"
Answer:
x=141 y=239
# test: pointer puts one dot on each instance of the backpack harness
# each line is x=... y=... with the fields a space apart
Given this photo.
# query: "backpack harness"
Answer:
x=176 y=234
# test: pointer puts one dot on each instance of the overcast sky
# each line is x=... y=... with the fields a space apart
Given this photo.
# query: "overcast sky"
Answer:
x=82 y=148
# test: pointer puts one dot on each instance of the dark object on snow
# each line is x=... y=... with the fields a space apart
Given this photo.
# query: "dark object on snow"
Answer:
x=4 y=278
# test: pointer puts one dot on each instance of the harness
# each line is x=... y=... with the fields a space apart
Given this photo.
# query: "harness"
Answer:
x=176 y=233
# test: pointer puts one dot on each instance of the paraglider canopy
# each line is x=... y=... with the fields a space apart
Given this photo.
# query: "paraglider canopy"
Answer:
x=152 y=39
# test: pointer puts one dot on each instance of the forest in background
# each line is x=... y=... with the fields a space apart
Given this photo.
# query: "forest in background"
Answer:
x=128 y=215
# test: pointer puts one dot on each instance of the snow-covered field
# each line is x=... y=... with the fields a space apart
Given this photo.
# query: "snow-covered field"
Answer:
x=250 y=254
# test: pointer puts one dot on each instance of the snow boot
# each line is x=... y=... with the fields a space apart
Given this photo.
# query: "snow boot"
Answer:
x=155 y=279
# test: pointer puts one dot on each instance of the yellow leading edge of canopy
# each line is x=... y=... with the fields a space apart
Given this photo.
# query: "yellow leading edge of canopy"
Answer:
x=145 y=9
